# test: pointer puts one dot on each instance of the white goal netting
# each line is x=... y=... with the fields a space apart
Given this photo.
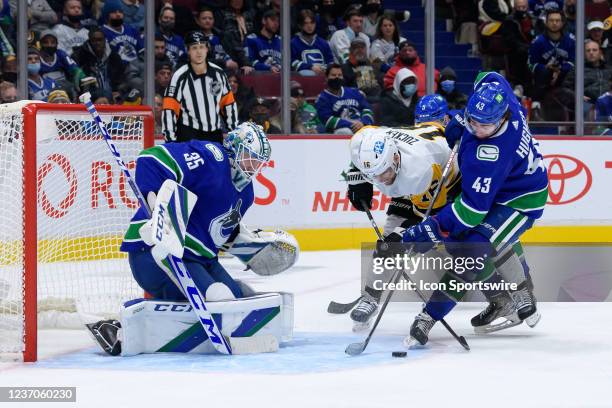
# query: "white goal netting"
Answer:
x=83 y=206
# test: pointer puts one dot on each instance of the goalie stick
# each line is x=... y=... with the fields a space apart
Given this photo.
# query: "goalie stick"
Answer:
x=342 y=308
x=355 y=349
x=219 y=342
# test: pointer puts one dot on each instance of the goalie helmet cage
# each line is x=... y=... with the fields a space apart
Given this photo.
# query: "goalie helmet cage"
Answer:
x=67 y=207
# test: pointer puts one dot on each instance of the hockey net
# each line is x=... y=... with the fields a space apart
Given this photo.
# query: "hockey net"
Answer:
x=65 y=207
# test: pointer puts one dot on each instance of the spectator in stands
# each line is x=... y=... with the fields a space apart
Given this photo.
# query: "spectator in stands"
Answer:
x=595 y=32
x=124 y=39
x=70 y=32
x=569 y=10
x=603 y=109
x=371 y=11
x=236 y=23
x=175 y=46
x=519 y=32
x=243 y=95
x=205 y=20
x=9 y=69
x=551 y=56
x=132 y=97
x=38 y=87
x=58 y=96
x=134 y=13
x=386 y=45
x=264 y=48
x=465 y=23
x=8 y=92
x=448 y=89
x=328 y=20
x=304 y=117
x=397 y=105
x=310 y=54
x=160 y=50
x=163 y=73
x=260 y=114
x=157 y=113
x=342 y=110
x=359 y=73
x=341 y=39
x=57 y=65
x=184 y=11
x=539 y=9
x=97 y=60
x=41 y=16
x=596 y=74
x=408 y=57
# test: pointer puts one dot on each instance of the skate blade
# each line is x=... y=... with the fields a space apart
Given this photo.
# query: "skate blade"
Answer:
x=412 y=344
x=359 y=327
x=506 y=324
x=533 y=320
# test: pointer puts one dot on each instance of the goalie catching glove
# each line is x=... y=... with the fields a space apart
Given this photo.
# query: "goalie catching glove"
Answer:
x=265 y=253
x=165 y=231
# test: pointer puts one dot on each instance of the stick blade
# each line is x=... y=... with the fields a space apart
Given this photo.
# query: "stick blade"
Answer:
x=464 y=343
x=341 y=308
x=354 y=349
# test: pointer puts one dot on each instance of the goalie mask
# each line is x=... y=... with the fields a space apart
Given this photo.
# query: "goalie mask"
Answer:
x=249 y=151
x=374 y=154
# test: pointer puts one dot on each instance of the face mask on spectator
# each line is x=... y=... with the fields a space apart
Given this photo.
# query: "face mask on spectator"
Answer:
x=408 y=60
x=408 y=90
x=167 y=26
x=75 y=19
x=49 y=50
x=34 y=68
x=116 y=22
x=448 y=85
x=335 y=83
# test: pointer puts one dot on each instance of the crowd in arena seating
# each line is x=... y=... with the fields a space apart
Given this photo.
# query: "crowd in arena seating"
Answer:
x=352 y=64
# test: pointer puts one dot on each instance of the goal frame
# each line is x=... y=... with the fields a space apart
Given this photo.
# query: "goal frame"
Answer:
x=30 y=202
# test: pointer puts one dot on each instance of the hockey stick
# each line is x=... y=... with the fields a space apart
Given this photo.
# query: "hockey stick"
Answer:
x=460 y=339
x=342 y=308
x=176 y=264
x=354 y=349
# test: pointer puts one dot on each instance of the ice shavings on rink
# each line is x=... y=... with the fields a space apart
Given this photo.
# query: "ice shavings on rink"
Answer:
x=307 y=353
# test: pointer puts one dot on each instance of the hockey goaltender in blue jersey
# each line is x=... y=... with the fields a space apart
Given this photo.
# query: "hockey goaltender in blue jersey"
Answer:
x=203 y=168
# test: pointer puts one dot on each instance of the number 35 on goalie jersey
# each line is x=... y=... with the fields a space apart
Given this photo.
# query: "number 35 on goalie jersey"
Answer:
x=203 y=168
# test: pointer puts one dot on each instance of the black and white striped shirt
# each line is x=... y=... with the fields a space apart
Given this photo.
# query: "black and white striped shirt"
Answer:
x=198 y=102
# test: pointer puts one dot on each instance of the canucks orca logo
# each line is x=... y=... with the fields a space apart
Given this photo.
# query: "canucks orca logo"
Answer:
x=222 y=226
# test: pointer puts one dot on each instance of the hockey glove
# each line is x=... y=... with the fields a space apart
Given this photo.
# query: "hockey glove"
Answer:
x=391 y=246
x=425 y=235
x=359 y=190
x=454 y=130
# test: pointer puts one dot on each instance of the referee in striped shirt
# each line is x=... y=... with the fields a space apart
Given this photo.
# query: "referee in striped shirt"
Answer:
x=198 y=97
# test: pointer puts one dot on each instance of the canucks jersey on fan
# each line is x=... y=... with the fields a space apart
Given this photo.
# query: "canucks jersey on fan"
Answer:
x=506 y=168
x=57 y=68
x=127 y=42
x=263 y=52
x=204 y=169
x=304 y=54
x=334 y=110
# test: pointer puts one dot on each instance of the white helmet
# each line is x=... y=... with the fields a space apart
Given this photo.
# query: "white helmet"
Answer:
x=249 y=150
x=372 y=151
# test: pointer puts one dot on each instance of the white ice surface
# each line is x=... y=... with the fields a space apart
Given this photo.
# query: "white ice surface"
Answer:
x=566 y=361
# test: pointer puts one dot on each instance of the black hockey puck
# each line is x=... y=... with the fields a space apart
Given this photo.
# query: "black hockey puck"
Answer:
x=399 y=354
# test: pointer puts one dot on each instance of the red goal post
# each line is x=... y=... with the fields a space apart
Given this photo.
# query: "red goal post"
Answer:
x=67 y=208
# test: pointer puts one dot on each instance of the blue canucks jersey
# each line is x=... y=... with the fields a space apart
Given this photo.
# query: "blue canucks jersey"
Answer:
x=39 y=91
x=543 y=51
x=263 y=52
x=202 y=167
x=506 y=168
x=127 y=42
x=217 y=51
x=335 y=110
x=304 y=54
x=58 y=67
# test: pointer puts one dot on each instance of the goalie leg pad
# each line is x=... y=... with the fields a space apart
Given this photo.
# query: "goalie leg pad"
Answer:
x=254 y=324
x=266 y=253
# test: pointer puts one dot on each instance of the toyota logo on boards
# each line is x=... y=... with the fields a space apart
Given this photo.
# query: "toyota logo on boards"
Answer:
x=569 y=179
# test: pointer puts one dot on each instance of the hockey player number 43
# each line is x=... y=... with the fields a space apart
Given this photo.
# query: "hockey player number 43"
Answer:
x=482 y=187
